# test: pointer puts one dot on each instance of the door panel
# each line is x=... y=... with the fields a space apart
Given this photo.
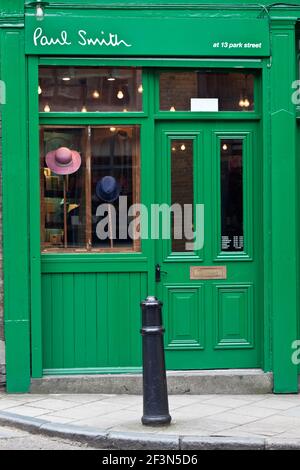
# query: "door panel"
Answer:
x=185 y=331
x=213 y=318
x=233 y=316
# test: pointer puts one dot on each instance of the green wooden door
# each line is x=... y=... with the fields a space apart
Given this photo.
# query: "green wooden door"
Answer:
x=213 y=316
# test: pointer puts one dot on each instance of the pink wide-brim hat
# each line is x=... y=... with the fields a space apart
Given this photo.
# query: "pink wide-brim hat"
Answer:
x=63 y=161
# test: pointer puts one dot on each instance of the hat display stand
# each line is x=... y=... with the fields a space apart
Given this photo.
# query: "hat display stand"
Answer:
x=64 y=162
x=65 y=188
x=108 y=190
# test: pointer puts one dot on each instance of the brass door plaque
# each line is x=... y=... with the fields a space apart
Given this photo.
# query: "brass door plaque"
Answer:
x=208 y=272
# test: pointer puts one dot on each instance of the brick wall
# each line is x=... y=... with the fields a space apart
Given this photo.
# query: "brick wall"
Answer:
x=177 y=90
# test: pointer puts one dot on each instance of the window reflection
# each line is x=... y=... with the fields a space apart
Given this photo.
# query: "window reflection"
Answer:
x=63 y=197
x=182 y=191
x=76 y=206
x=234 y=91
x=90 y=89
x=232 y=227
x=115 y=152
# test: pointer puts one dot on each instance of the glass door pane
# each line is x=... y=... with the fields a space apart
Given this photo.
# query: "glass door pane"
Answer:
x=232 y=223
x=182 y=193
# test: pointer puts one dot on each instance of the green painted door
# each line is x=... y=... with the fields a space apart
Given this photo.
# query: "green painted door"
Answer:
x=211 y=287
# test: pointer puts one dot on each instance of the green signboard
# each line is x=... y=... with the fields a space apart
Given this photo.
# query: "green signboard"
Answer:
x=110 y=35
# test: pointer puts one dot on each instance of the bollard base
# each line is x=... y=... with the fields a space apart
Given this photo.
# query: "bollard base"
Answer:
x=163 y=420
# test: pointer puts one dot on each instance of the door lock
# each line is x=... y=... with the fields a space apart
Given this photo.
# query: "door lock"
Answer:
x=158 y=272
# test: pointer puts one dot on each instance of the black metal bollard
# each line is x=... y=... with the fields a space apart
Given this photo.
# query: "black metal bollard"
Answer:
x=155 y=393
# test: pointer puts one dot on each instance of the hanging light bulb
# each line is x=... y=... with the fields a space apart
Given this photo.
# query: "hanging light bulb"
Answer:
x=125 y=110
x=120 y=95
x=40 y=90
x=241 y=103
x=112 y=129
x=182 y=147
x=225 y=147
x=173 y=149
x=96 y=94
x=140 y=89
x=246 y=103
x=47 y=108
x=84 y=110
x=110 y=78
x=172 y=109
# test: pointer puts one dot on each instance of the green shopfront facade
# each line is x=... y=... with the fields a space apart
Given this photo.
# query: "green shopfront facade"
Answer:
x=180 y=103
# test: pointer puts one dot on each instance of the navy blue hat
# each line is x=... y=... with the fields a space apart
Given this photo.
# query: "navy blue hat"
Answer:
x=108 y=189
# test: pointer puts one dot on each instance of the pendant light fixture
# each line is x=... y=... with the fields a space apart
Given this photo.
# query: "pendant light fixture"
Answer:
x=39 y=9
x=96 y=94
x=244 y=100
x=110 y=77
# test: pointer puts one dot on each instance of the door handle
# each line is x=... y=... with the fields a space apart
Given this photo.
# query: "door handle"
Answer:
x=158 y=272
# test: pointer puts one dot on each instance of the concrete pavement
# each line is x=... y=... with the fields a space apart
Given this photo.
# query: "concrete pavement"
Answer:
x=199 y=421
x=15 y=439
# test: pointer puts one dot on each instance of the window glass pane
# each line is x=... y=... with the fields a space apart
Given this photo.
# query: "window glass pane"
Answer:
x=115 y=152
x=234 y=91
x=182 y=194
x=87 y=209
x=90 y=89
x=63 y=197
x=232 y=195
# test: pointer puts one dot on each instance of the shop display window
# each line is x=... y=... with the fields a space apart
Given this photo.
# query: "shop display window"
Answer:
x=85 y=171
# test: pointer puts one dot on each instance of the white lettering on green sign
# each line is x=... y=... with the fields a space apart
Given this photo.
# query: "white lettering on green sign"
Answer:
x=110 y=40
x=104 y=40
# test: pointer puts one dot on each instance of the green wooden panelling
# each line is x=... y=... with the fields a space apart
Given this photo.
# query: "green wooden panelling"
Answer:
x=234 y=316
x=15 y=212
x=34 y=221
x=266 y=258
x=154 y=62
x=284 y=241
x=154 y=3
x=11 y=8
x=92 y=320
x=184 y=313
x=298 y=222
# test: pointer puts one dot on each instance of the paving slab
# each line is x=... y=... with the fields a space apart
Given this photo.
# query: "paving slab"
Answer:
x=198 y=421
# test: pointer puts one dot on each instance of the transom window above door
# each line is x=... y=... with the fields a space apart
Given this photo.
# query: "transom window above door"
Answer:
x=206 y=90
x=90 y=89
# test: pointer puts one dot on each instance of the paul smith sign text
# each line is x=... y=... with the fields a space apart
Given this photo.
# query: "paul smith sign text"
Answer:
x=103 y=40
x=130 y=35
